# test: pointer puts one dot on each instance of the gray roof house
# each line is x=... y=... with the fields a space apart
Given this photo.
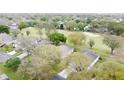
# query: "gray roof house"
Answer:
x=65 y=50
x=89 y=54
x=58 y=77
x=4 y=56
x=92 y=56
x=5 y=39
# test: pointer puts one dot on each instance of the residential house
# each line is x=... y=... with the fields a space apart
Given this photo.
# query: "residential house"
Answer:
x=5 y=56
x=14 y=26
x=92 y=56
x=5 y=39
x=65 y=50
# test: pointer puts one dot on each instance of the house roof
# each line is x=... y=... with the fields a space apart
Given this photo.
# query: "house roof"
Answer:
x=58 y=77
x=4 y=56
x=43 y=42
x=65 y=50
x=5 y=38
x=90 y=54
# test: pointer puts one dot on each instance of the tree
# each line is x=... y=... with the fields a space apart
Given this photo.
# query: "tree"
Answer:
x=80 y=26
x=31 y=23
x=22 y=25
x=70 y=25
x=112 y=42
x=4 y=29
x=15 y=34
x=110 y=71
x=57 y=38
x=61 y=26
x=77 y=61
x=27 y=33
x=91 y=43
x=41 y=64
x=83 y=75
x=76 y=40
x=13 y=63
x=117 y=28
x=26 y=43
x=40 y=26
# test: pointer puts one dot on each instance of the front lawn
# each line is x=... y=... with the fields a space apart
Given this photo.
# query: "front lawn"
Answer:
x=10 y=73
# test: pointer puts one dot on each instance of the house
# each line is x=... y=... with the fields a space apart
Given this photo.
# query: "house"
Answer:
x=92 y=56
x=87 y=28
x=58 y=77
x=4 y=56
x=65 y=50
x=23 y=55
x=43 y=42
x=63 y=74
x=89 y=54
x=5 y=39
x=14 y=26
x=61 y=25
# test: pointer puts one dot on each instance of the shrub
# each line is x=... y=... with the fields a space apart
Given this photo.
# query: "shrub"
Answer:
x=4 y=29
x=23 y=25
x=91 y=43
x=57 y=38
x=13 y=63
x=77 y=40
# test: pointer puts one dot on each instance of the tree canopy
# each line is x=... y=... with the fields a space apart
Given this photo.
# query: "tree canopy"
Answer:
x=112 y=42
x=4 y=29
x=13 y=63
x=57 y=38
x=41 y=64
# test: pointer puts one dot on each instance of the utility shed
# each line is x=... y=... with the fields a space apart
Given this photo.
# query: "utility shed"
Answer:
x=4 y=56
x=92 y=56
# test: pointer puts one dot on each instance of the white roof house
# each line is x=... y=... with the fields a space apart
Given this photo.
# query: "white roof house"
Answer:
x=14 y=26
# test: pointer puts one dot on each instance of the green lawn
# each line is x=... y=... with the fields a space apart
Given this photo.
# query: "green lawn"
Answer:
x=34 y=32
x=96 y=37
x=99 y=47
x=9 y=72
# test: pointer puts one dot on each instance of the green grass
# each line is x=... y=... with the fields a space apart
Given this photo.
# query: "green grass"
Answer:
x=6 y=48
x=9 y=72
x=34 y=32
x=99 y=47
x=98 y=38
